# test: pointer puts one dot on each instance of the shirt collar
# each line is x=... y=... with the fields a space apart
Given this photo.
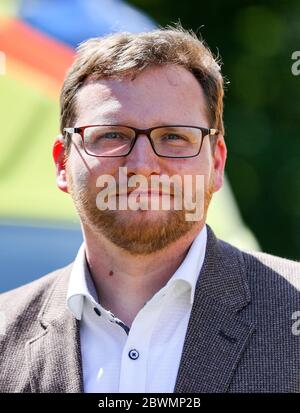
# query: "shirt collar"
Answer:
x=82 y=286
x=190 y=268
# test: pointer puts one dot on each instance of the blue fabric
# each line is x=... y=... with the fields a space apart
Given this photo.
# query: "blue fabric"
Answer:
x=73 y=21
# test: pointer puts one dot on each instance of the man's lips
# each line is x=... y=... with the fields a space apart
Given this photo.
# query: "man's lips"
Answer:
x=144 y=193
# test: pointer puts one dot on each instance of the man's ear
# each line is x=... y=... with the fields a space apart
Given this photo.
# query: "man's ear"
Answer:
x=59 y=156
x=219 y=161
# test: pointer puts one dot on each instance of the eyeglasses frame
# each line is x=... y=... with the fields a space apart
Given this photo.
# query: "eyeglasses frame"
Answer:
x=80 y=130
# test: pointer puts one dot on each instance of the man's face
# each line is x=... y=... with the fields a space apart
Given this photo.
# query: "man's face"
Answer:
x=167 y=95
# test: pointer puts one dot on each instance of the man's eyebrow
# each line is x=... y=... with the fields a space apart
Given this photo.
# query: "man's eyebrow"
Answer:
x=107 y=116
x=108 y=120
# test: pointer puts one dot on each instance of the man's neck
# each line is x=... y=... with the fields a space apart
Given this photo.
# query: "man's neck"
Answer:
x=125 y=282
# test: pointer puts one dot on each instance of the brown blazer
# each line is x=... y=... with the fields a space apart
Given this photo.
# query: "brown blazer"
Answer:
x=240 y=336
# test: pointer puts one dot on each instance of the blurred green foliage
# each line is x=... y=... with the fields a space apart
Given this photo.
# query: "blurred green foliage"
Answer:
x=256 y=40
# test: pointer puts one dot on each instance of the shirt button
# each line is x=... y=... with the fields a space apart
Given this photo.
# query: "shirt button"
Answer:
x=97 y=311
x=133 y=354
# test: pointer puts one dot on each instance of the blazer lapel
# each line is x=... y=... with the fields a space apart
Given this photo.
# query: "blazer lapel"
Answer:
x=53 y=356
x=217 y=335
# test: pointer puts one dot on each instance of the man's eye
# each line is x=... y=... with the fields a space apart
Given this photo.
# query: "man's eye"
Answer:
x=173 y=137
x=112 y=136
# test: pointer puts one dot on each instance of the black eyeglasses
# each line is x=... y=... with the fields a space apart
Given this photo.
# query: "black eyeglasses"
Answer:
x=170 y=141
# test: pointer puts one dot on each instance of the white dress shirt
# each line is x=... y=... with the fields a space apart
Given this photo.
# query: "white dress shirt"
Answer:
x=146 y=358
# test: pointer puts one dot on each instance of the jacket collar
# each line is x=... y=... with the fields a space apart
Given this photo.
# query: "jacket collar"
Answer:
x=54 y=355
x=217 y=335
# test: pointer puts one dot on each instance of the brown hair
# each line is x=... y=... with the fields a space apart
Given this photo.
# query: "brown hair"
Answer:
x=126 y=54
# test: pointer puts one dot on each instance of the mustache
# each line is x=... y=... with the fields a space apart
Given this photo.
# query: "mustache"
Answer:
x=149 y=191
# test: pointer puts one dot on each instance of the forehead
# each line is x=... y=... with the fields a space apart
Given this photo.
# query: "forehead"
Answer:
x=156 y=96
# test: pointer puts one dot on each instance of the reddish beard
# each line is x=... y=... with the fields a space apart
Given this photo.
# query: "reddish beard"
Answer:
x=134 y=231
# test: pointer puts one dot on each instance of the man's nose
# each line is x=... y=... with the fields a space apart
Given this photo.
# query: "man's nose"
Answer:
x=142 y=159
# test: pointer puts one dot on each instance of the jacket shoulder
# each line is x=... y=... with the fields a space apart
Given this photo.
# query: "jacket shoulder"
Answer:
x=20 y=323
x=29 y=298
x=266 y=264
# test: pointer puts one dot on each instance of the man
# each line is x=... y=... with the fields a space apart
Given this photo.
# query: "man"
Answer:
x=153 y=302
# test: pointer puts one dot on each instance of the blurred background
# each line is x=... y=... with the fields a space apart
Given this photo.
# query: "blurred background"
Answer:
x=259 y=206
